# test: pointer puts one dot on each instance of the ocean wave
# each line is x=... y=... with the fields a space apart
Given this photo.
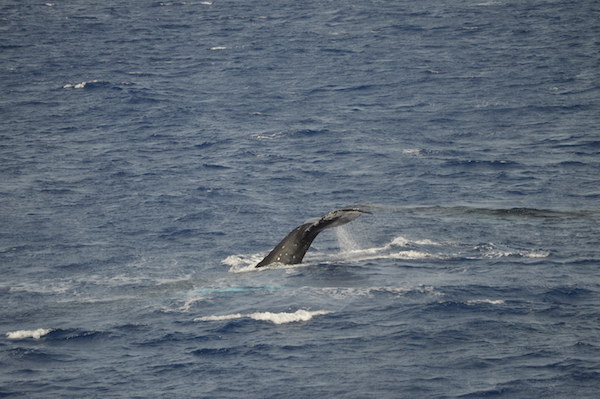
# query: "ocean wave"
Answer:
x=485 y=301
x=24 y=334
x=369 y=292
x=490 y=251
x=299 y=133
x=461 y=210
x=184 y=3
x=55 y=334
x=98 y=84
x=413 y=151
x=198 y=295
x=91 y=283
x=90 y=84
x=275 y=318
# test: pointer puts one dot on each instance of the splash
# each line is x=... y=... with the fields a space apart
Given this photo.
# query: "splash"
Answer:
x=242 y=263
x=351 y=250
x=275 y=318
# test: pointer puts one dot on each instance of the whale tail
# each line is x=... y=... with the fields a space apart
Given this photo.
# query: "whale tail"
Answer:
x=292 y=248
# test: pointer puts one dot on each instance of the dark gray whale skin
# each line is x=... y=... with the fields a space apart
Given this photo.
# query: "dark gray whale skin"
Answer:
x=292 y=248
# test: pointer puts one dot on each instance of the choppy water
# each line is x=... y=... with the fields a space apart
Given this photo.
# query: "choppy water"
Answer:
x=152 y=152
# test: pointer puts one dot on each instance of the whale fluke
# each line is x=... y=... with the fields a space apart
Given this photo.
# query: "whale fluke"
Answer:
x=292 y=248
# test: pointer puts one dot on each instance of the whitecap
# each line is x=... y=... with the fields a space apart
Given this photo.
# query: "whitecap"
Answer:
x=269 y=136
x=535 y=254
x=184 y=3
x=22 y=334
x=412 y=151
x=490 y=251
x=355 y=292
x=275 y=318
x=79 y=85
x=488 y=301
x=412 y=255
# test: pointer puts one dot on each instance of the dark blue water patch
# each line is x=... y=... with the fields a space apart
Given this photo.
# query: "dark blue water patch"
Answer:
x=206 y=144
x=194 y=217
x=216 y=352
x=173 y=368
x=484 y=164
x=177 y=233
x=569 y=295
x=215 y=166
x=517 y=212
x=170 y=338
x=585 y=148
x=494 y=392
x=131 y=328
x=20 y=390
x=455 y=307
x=37 y=356
x=579 y=370
x=583 y=261
x=309 y=132
x=102 y=260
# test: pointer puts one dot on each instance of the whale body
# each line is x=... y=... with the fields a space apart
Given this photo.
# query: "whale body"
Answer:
x=293 y=247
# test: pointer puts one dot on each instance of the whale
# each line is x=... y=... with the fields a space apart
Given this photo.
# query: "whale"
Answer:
x=293 y=247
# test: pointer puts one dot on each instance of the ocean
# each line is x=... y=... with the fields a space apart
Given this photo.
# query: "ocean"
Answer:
x=153 y=152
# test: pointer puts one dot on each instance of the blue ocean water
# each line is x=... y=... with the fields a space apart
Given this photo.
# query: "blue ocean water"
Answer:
x=151 y=153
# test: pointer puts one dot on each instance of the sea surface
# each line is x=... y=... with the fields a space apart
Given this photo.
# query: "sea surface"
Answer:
x=152 y=152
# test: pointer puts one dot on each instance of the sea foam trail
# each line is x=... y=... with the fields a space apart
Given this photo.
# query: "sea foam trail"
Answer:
x=22 y=334
x=350 y=251
x=276 y=318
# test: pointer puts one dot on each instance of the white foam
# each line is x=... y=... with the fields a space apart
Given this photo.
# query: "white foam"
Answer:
x=43 y=287
x=242 y=263
x=22 y=334
x=79 y=85
x=276 y=318
x=535 y=254
x=191 y=300
x=396 y=242
x=412 y=255
x=498 y=253
x=489 y=3
x=412 y=151
x=215 y=48
x=355 y=292
x=488 y=301
x=269 y=136
x=184 y=3
x=350 y=251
